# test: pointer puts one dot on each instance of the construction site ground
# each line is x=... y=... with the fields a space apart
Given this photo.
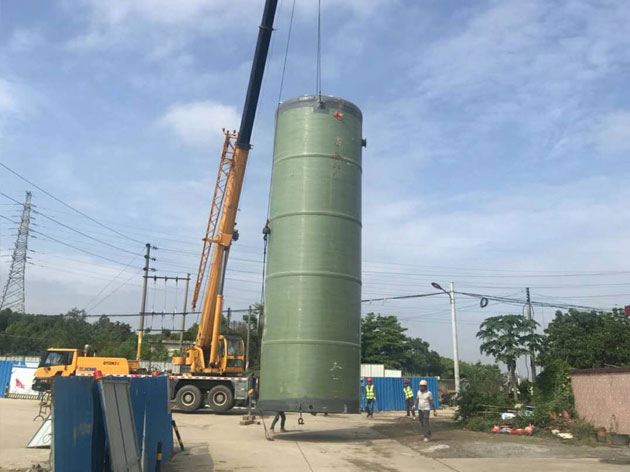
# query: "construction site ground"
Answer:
x=388 y=442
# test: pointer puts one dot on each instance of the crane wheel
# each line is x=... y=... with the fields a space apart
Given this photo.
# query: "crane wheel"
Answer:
x=220 y=398
x=188 y=398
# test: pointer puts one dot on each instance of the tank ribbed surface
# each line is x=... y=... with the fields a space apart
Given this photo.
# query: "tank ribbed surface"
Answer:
x=311 y=340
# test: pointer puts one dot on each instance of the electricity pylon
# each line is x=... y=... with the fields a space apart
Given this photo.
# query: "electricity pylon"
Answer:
x=14 y=294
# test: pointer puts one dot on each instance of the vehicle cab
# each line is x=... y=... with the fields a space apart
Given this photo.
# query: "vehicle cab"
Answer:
x=54 y=363
x=232 y=354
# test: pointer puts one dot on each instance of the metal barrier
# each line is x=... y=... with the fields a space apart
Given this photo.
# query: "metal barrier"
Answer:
x=79 y=439
x=6 y=367
x=389 y=391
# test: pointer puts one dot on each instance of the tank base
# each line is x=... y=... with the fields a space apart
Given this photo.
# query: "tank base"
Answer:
x=309 y=405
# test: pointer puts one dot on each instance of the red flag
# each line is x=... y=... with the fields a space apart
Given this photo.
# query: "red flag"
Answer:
x=18 y=384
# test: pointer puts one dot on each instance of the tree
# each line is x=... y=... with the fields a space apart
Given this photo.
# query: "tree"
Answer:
x=507 y=338
x=585 y=340
x=421 y=359
x=383 y=341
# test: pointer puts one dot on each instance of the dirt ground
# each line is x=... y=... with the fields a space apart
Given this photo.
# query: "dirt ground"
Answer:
x=451 y=441
x=388 y=442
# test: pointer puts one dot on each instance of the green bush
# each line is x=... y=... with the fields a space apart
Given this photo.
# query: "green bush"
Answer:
x=483 y=386
x=582 y=429
x=478 y=423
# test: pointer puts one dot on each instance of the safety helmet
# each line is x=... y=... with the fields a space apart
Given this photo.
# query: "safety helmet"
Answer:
x=423 y=383
x=369 y=379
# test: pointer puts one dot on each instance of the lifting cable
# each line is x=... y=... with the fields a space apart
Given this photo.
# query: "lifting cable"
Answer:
x=266 y=228
x=318 y=85
x=286 y=52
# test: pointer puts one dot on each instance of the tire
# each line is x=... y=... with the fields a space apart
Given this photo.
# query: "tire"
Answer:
x=188 y=398
x=220 y=398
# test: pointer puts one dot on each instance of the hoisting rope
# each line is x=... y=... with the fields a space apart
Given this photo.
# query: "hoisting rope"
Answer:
x=286 y=53
x=319 y=49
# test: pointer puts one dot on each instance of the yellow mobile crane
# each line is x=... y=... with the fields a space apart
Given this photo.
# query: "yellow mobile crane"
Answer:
x=211 y=368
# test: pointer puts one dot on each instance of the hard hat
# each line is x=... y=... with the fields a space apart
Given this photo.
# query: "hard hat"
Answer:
x=369 y=379
x=423 y=382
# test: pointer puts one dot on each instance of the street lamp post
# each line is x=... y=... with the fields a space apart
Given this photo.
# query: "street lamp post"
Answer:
x=451 y=296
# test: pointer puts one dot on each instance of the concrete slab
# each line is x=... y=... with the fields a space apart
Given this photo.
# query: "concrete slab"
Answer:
x=324 y=443
x=354 y=443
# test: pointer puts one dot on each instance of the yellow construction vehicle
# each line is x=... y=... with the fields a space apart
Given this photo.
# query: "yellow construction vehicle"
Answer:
x=203 y=370
x=60 y=362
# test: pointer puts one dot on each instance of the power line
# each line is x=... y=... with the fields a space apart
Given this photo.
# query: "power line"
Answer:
x=400 y=297
x=126 y=282
x=109 y=283
x=71 y=228
x=68 y=205
x=77 y=248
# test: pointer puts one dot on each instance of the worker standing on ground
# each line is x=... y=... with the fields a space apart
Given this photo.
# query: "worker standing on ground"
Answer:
x=279 y=416
x=408 y=392
x=424 y=403
x=370 y=398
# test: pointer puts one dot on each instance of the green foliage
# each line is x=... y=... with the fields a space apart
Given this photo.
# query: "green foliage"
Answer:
x=584 y=340
x=478 y=423
x=508 y=337
x=582 y=429
x=383 y=341
x=27 y=335
x=483 y=386
x=448 y=367
x=421 y=359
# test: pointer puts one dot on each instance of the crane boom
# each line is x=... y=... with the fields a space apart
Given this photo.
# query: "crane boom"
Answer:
x=204 y=355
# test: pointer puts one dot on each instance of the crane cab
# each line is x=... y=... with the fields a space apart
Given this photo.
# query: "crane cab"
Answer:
x=231 y=358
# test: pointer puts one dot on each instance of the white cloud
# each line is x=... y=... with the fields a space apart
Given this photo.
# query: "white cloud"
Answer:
x=199 y=124
x=612 y=134
x=8 y=100
x=24 y=40
x=150 y=24
x=164 y=12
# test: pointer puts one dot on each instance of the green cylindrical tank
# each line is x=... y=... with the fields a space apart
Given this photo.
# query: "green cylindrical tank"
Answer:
x=311 y=349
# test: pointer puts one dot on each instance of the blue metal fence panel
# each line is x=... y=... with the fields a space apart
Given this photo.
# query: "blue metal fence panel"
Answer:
x=152 y=411
x=389 y=391
x=5 y=374
x=78 y=434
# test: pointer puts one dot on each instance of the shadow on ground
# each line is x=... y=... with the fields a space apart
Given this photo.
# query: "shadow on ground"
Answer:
x=349 y=435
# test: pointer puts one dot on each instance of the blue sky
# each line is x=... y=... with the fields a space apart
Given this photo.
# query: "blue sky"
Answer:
x=498 y=140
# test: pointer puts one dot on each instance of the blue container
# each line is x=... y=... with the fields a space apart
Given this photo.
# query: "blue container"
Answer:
x=389 y=391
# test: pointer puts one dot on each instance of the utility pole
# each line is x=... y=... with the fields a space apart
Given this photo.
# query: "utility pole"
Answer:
x=147 y=261
x=229 y=319
x=181 y=335
x=451 y=296
x=532 y=354
x=249 y=328
x=454 y=334
x=13 y=295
